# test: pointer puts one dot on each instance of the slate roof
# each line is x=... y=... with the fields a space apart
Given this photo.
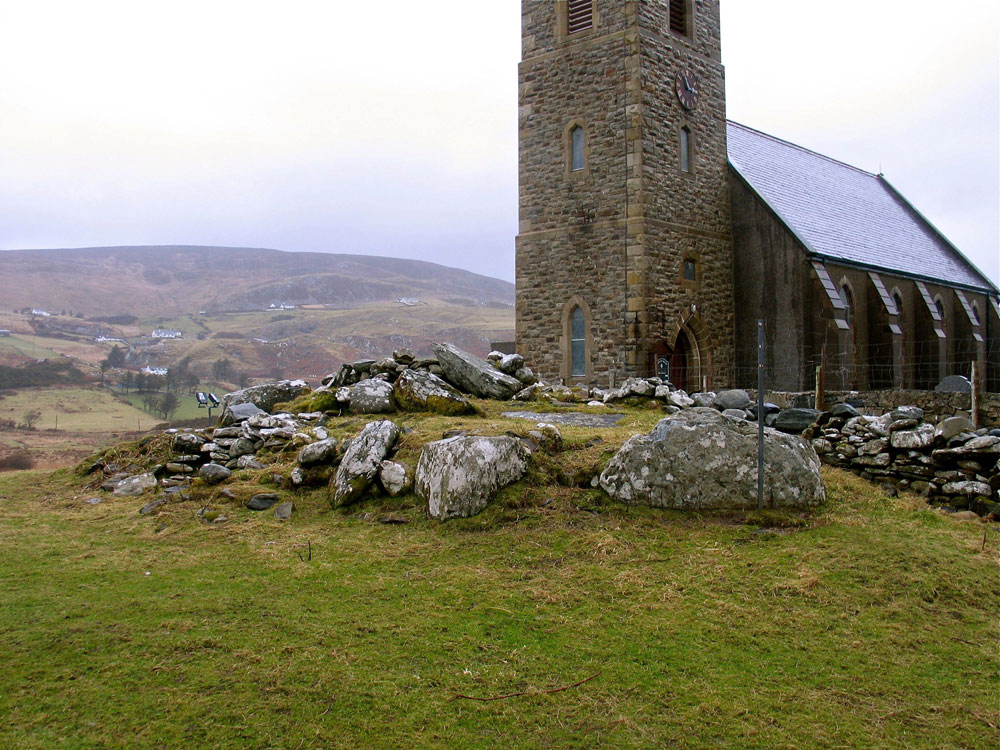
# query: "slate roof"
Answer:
x=845 y=214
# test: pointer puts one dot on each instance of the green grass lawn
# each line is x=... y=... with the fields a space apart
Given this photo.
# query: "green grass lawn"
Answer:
x=871 y=623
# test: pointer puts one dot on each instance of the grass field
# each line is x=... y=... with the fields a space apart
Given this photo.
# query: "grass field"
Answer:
x=555 y=619
x=187 y=410
x=25 y=345
x=75 y=409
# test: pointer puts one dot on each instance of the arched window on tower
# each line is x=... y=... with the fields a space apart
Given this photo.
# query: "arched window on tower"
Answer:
x=577 y=141
x=685 y=149
x=578 y=343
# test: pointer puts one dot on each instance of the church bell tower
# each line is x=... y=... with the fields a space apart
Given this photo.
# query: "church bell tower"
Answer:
x=624 y=253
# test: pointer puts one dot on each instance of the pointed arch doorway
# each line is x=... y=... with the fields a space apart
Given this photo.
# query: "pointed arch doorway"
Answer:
x=678 y=361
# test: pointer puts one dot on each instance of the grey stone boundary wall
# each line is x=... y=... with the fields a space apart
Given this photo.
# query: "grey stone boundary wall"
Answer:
x=936 y=406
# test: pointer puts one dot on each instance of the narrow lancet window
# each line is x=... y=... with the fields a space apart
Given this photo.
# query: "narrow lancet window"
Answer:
x=578 y=341
x=685 y=149
x=576 y=146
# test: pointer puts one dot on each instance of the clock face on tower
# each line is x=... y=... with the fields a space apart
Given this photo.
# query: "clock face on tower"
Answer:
x=687 y=88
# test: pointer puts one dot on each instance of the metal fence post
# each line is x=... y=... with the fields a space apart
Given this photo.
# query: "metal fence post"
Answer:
x=760 y=414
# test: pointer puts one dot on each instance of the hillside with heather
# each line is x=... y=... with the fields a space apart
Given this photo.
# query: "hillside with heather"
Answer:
x=170 y=280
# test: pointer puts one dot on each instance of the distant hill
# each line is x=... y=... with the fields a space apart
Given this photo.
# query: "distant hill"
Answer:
x=170 y=280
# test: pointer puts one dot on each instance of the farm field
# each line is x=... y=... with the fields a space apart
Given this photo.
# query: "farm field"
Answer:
x=75 y=409
x=554 y=619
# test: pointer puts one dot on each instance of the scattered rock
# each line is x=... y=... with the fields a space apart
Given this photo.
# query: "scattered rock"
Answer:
x=284 y=511
x=320 y=452
x=262 y=501
x=362 y=461
x=153 y=505
x=459 y=477
x=135 y=486
x=416 y=390
x=474 y=375
x=795 y=421
x=954 y=384
x=372 y=397
x=732 y=399
x=264 y=396
x=213 y=473
x=700 y=460
x=396 y=478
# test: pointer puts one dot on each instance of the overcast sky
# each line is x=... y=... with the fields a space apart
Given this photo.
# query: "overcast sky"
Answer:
x=390 y=128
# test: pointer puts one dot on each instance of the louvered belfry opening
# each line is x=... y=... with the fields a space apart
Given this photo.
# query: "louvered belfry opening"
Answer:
x=678 y=16
x=579 y=16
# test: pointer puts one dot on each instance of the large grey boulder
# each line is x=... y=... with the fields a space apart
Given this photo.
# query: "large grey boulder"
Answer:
x=795 y=420
x=418 y=390
x=265 y=396
x=474 y=375
x=372 y=397
x=700 y=460
x=362 y=461
x=458 y=477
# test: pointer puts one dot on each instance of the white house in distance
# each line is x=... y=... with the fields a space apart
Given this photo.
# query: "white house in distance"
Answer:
x=167 y=333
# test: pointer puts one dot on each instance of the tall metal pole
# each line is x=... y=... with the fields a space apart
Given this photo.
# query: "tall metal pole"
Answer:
x=760 y=414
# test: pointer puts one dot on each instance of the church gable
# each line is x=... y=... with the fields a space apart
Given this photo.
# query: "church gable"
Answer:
x=845 y=214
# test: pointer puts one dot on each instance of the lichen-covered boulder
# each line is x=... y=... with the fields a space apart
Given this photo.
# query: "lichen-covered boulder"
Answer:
x=474 y=375
x=418 y=390
x=362 y=461
x=264 y=396
x=372 y=397
x=700 y=460
x=460 y=476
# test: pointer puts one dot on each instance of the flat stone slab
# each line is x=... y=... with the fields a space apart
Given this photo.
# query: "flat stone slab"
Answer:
x=573 y=418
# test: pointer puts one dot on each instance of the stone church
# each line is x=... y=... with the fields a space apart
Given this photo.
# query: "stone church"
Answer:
x=654 y=233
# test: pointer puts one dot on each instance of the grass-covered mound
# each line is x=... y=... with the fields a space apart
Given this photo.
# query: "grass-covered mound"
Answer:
x=868 y=623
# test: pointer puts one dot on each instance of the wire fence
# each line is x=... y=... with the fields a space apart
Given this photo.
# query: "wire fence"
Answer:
x=909 y=365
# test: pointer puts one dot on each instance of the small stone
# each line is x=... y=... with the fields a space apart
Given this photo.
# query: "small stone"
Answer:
x=732 y=399
x=262 y=501
x=153 y=505
x=284 y=511
x=965 y=515
x=93 y=501
x=248 y=462
x=320 y=452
